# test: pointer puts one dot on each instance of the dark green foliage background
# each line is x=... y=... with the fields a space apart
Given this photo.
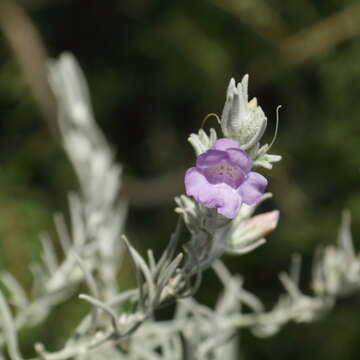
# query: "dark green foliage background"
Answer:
x=155 y=69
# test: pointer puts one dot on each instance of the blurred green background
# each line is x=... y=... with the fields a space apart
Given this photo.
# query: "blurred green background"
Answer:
x=155 y=69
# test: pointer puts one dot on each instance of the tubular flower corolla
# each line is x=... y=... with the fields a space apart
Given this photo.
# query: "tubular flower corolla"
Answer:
x=222 y=179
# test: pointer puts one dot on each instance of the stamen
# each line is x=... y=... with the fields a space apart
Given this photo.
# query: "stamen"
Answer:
x=276 y=126
x=224 y=173
x=208 y=116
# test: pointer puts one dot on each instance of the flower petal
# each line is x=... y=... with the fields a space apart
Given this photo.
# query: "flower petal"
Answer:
x=252 y=188
x=210 y=158
x=239 y=159
x=225 y=199
x=224 y=144
x=231 y=201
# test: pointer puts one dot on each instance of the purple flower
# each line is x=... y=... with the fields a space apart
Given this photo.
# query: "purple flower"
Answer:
x=222 y=179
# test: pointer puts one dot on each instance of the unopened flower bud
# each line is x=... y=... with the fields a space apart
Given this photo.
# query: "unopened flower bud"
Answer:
x=242 y=120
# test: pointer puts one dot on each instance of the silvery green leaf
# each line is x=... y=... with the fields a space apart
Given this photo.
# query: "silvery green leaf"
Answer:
x=141 y=263
x=202 y=142
x=97 y=304
x=62 y=232
x=169 y=271
x=151 y=260
x=17 y=293
x=262 y=159
x=345 y=237
x=48 y=253
x=69 y=84
x=168 y=254
x=7 y=324
x=266 y=161
x=191 y=211
x=197 y=217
